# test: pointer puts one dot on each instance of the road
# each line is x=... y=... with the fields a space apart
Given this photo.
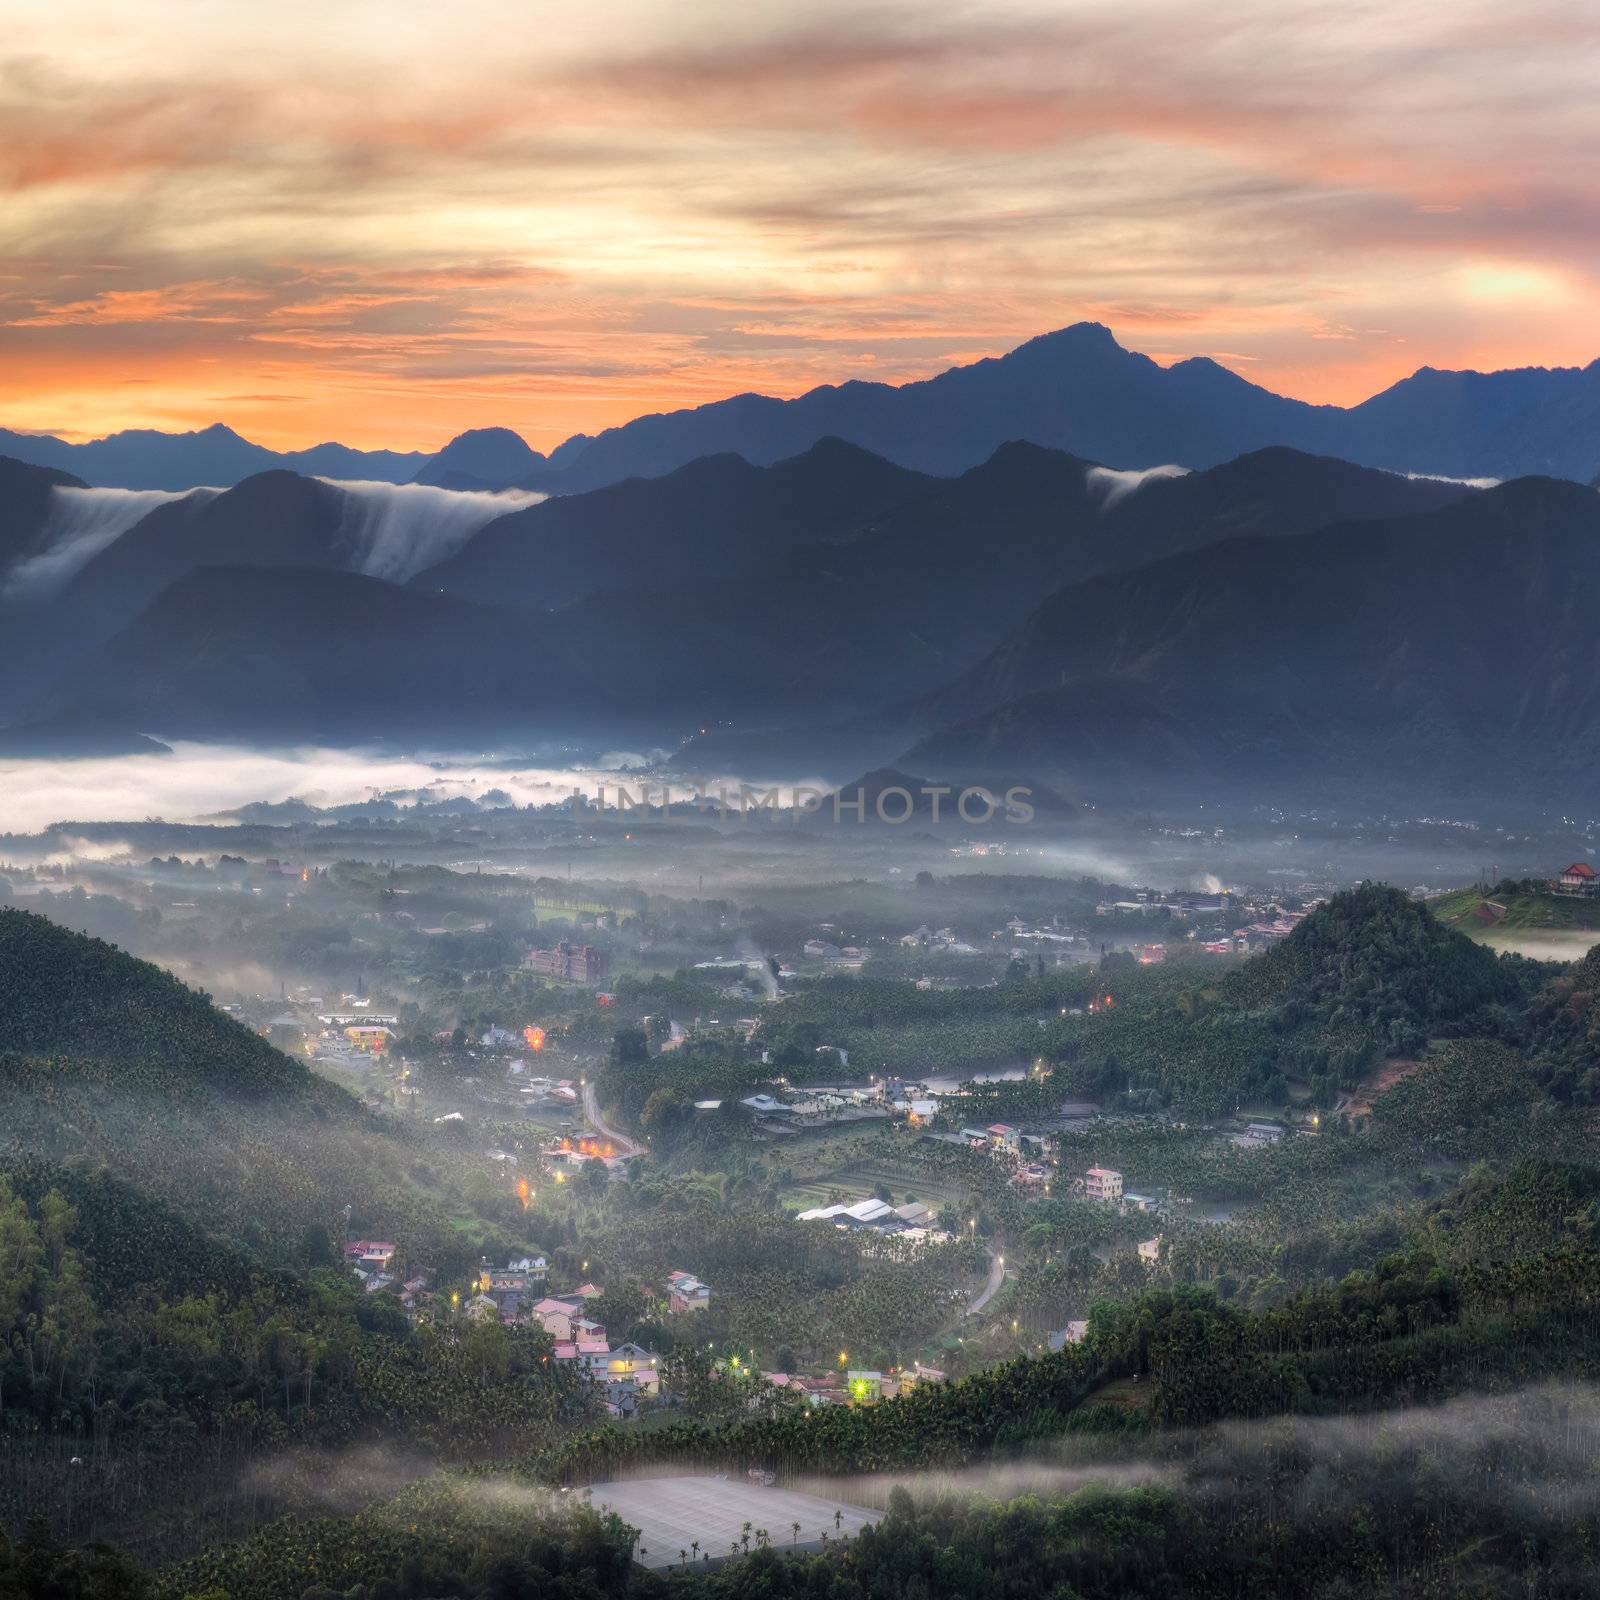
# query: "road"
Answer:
x=997 y=1276
x=625 y=1145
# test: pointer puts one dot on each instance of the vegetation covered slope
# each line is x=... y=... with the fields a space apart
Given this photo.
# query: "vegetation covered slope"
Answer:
x=62 y=993
x=1376 y=959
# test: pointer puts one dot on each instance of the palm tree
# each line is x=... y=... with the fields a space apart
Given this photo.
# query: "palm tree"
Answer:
x=694 y=1544
x=796 y=1527
x=683 y=1556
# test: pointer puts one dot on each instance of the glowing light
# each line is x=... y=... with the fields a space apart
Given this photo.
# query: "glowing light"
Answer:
x=533 y=1037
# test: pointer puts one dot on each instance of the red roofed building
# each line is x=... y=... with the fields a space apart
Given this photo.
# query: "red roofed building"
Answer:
x=1579 y=878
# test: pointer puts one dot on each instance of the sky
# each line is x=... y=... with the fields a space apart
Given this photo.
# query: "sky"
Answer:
x=385 y=223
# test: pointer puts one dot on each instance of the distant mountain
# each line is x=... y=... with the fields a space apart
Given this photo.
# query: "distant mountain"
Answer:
x=299 y=653
x=1077 y=389
x=939 y=579
x=271 y=519
x=1275 y=491
x=1449 y=654
x=482 y=458
x=703 y=522
x=143 y=458
x=1524 y=422
x=820 y=589
x=26 y=500
x=111 y=551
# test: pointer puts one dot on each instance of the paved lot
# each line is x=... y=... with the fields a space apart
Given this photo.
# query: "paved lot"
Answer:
x=672 y=1513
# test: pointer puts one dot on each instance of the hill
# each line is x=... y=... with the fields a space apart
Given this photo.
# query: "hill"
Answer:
x=228 y=652
x=482 y=458
x=1376 y=959
x=66 y=994
x=830 y=584
x=1355 y=660
x=1514 y=907
x=704 y=522
x=145 y=458
x=26 y=498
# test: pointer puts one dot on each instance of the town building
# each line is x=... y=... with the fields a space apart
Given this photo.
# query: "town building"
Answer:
x=1103 y=1183
x=1578 y=879
x=685 y=1293
x=515 y=1286
x=576 y=963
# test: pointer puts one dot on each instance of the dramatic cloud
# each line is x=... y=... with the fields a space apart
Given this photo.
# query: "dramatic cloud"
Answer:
x=386 y=224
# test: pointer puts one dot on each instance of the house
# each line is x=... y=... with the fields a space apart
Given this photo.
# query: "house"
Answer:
x=1580 y=878
x=1150 y=1251
x=686 y=1293
x=821 y=947
x=370 y=1255
x=1003 y=1136
x=513 y=1285
x=556 y=1316
x=1102 y=1183
x=635 y=1366
x=763 y=1105
x=1264 y=1132
x=592 y=1356
x=1073 y=1333
x=1139 y=1202
x=480 y=1308
x=865 y=1387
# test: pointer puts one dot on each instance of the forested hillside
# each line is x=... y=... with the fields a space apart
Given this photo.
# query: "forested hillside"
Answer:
x=64 y=994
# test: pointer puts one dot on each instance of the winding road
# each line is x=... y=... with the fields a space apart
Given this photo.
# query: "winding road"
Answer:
x=997 y=1276
x=625 y=1145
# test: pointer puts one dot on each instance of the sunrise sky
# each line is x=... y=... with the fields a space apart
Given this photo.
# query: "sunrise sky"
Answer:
x=387 y=222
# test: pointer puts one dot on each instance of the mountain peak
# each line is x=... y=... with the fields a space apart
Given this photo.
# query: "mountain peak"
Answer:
x=495 y=457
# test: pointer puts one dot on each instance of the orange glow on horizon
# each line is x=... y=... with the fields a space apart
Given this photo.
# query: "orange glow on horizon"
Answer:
x=347 y=230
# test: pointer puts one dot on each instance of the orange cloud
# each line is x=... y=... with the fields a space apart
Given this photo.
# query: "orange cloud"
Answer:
x=366 y=225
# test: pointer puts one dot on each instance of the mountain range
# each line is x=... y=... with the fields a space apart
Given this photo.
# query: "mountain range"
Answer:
x=1075 y=389
x=1452 y=652
x=145 y=458
x=1280 y=624
x=832 y=590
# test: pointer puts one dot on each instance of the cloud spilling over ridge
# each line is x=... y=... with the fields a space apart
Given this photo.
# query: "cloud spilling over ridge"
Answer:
x=401 y=528
x=1115 y=485
x=82 y=523
x=1466 y=483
